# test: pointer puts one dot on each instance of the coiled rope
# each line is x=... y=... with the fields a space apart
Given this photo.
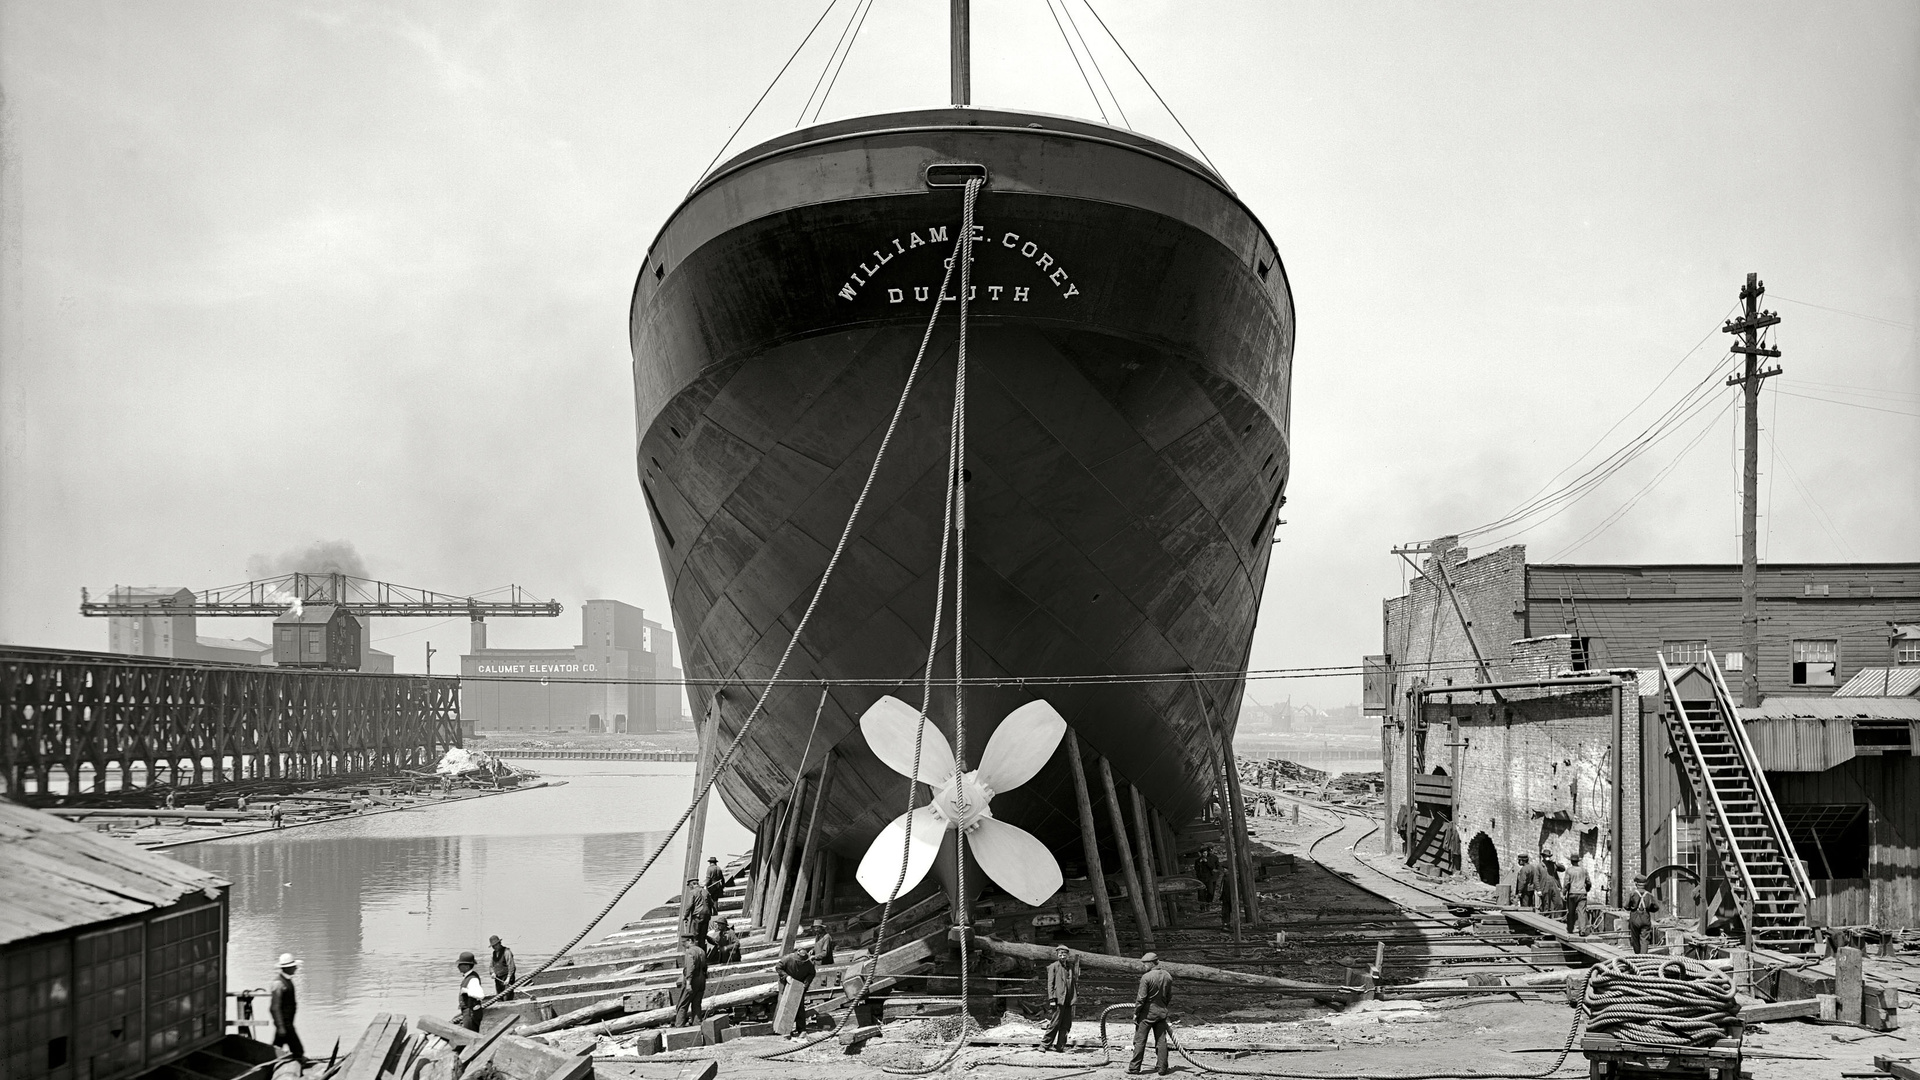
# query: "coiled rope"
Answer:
x=961 y=248
x=1665 y=1001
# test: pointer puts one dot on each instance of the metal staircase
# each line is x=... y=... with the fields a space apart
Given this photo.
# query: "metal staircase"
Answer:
x=1756 y=853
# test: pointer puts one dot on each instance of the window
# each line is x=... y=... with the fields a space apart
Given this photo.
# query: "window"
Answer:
x=1684 y=652
x=1906 y=651
x=1582 y=649
x=1815 y=662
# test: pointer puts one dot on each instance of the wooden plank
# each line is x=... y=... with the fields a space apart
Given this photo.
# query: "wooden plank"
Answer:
x=786 y=1013
x=1847 y=982
x=1779 y=1010
x=373 y=1054
x=453 y=1033
x=822 y=789
x=778 y=892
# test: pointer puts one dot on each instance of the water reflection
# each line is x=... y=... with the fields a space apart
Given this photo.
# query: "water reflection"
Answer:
x=377 y=908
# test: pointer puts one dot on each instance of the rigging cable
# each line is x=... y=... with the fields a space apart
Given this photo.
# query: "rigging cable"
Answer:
x=824 y=68
x=1076 y=61
x=831 y=83
x=1156 y=93
x=1066 y=6
x=759 y=704
x=763 y=95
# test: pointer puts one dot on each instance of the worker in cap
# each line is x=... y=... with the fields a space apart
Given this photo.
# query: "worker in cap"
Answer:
x=1152 y=1006
x=716 y=882
x=822 y=942
x=693 y=982
x=503 y=965
x=1642 y=906
x=472 y=992
x=696 y=911
x=1526 y=883
x=1063 y=985
x=281 y=1005
x=726 y=946
x=797 y=966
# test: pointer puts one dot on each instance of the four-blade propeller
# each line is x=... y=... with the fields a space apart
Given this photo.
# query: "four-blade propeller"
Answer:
x=1013 y=857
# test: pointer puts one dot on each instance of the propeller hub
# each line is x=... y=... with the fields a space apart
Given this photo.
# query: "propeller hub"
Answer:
x=967 y=788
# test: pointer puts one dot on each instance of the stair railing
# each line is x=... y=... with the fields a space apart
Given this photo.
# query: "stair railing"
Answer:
x=1699 y=758
x=1796 y=870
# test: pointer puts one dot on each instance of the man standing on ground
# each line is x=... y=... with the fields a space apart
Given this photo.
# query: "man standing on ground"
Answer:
x=1152 y=1005
x=1203 y=869
x=472 y=992
x=1063 y=984
x=503 y=965
x=1577 y=888
x=282 y=1005
x=822 y=943
x=693 y=982
x=716 y=883
x=273 y=815
x=1642 y=906
x=1549 y=879
x=1525 y=882
x=797 y=966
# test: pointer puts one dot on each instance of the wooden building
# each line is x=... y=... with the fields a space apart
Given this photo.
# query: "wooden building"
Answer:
x=112 y=958
x=318 y=636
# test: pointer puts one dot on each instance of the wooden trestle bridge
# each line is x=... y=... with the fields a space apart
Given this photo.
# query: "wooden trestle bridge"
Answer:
x=80 y=717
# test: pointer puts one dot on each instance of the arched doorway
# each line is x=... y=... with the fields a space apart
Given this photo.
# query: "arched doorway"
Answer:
x=1484 y=857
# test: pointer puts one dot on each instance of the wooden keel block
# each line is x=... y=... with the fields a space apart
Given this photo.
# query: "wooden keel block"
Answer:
x=853 y=1037
x=748 y=1030
x=711 y=1026
x=681 y=1038
x=646 y=1043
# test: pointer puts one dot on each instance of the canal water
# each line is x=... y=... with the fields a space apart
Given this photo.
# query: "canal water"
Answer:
x=377 y=908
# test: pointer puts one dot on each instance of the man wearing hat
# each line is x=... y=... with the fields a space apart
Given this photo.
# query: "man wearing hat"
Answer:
x=281 y=1005
x=696 y=911
x=726 y=947
x=798 y=966
x=1152 y=1006
x=693 y=982
x=472 y=992
x=503 y=965
x=822 y=943
x=1063 y=984
x=716 y=882
x=1642 y=906
x=1526 y=881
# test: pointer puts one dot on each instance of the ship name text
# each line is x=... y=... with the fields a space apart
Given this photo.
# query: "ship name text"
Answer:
x=1054 y=275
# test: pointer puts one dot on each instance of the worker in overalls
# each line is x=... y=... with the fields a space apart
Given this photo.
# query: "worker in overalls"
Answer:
x=1642 y=906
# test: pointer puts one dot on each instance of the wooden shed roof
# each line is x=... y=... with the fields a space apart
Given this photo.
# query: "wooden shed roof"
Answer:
x=56 y=875
x=1882 y=709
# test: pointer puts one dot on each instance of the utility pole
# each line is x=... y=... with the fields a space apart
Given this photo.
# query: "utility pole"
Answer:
x=430 y=651
x=1747 y=329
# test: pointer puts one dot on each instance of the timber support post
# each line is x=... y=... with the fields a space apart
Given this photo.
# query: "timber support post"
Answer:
x=1149 y=869
x=1090 y=844
x=697 y=824
x=1135 y=894
x=1229 y=896
x=777 y=892
x=808 y=853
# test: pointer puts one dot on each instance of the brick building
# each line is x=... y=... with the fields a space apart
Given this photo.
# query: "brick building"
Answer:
x=1539 y=766
x=620 y=679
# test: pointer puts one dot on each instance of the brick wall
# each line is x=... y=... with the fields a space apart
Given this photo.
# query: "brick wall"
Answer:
x=1423 y=633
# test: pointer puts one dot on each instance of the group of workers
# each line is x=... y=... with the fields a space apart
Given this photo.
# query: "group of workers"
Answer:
x=706 y=940
x=1152 y=1007
x=1554 y=889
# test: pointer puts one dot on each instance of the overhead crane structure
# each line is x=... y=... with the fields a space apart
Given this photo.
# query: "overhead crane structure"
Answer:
x=276 y=597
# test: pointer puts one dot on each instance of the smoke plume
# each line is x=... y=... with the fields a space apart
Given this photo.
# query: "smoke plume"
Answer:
x=319 y=557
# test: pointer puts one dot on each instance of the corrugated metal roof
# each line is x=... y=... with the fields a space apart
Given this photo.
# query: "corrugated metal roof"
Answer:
x=56 y=875
x=1834 y=708
x=1882 y=682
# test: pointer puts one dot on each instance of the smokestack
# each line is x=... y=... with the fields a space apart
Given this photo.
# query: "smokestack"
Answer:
x=479 y=626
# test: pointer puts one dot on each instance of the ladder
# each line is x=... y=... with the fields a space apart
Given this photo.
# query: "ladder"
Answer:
x=1769 y=881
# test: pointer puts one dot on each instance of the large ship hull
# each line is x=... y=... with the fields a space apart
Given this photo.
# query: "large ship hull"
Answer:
x=1130 y=341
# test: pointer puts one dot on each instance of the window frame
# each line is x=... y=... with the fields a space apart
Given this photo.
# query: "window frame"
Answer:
x=1797 y=673
x=1698 y=650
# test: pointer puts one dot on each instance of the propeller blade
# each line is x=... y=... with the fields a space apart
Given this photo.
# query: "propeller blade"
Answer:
x=889 y=724
x=1016 y=860
x=1021 y=745
x=880 y=866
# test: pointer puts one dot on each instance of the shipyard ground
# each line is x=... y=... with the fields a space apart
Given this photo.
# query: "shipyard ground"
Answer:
x=1246 y=1031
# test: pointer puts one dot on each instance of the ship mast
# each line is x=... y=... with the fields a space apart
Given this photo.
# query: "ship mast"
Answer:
x=961 y=64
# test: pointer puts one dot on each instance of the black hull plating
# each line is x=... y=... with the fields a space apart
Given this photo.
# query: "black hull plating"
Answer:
x=1130 y=347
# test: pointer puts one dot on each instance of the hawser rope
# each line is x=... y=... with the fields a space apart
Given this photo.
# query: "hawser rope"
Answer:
x=961 y=248
x=955 y=464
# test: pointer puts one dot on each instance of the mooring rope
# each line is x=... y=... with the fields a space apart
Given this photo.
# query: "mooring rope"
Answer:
x=1665 y=1001
x=759 y=704
x=963 y=251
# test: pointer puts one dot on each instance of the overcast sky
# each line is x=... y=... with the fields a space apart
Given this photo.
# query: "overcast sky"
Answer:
x=280 y=273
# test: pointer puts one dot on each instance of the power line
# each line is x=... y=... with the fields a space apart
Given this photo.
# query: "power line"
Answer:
x=1849 y=404
x=1843 y=311
x=1608 y=523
